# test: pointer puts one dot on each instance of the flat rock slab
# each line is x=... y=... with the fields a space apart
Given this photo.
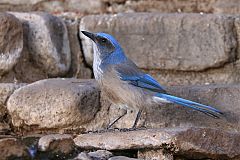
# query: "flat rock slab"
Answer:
x=125 y=140
x=54 y=104
x=187 y=42
x=191 y=142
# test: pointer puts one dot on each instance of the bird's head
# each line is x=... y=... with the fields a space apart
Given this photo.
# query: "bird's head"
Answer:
x=106 y=44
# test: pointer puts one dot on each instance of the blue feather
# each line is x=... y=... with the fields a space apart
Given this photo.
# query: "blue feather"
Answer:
x=190 y=104
x=144 y=81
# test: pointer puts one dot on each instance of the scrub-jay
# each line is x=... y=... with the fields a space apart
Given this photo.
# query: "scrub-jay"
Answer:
x=125 y=84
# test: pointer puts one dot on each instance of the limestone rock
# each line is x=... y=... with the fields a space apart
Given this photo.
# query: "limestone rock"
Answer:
x=100 y=154
x=11 y=42
x=56 y=143
x=47 y=42
x=167 y=41
x=190 y=142
x=54 y=104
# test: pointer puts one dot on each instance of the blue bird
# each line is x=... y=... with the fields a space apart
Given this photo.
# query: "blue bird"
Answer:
x=125 y=84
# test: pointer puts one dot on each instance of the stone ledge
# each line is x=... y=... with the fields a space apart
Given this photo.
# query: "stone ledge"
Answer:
x=191 y=142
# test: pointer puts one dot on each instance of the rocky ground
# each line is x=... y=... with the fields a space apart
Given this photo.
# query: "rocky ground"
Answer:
x=51 y=108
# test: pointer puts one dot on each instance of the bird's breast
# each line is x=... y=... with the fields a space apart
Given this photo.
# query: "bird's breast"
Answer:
x=121 y=92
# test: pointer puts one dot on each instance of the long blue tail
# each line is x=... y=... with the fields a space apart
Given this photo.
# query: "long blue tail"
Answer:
x=190 y=104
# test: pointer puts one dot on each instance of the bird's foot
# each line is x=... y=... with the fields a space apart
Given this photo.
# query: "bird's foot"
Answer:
x=131 y=129
x=104 y=130
x=117 y=130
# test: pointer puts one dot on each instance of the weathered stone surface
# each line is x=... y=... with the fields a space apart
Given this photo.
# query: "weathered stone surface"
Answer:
x=215 y=143
x=165 y=6
x=100 y=154
x=237 y=28
x=54 y=104
x=12 y=148
x=121 y=158
x=25 y=71
x=167 y=41
x=228 y=7
x=77 y=69
x=11 y=42
x=228 y=74
x=155 y=154
x=47 y=42
x=56 y=143
x=190 y=142
x=83 y=6
x=138 y=139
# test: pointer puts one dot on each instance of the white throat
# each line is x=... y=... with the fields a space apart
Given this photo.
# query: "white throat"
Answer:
x=96 y=63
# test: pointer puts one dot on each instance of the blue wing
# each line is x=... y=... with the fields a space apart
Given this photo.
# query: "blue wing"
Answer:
x=130 y=73
x=144 y=81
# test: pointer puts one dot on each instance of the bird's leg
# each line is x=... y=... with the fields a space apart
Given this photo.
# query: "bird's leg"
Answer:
x=137 y=119
x=113 y=122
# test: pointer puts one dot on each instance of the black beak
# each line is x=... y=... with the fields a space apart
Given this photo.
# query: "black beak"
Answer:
x=89 y=35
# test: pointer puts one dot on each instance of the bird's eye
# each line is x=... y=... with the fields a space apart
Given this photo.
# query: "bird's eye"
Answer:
x=103 y=40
